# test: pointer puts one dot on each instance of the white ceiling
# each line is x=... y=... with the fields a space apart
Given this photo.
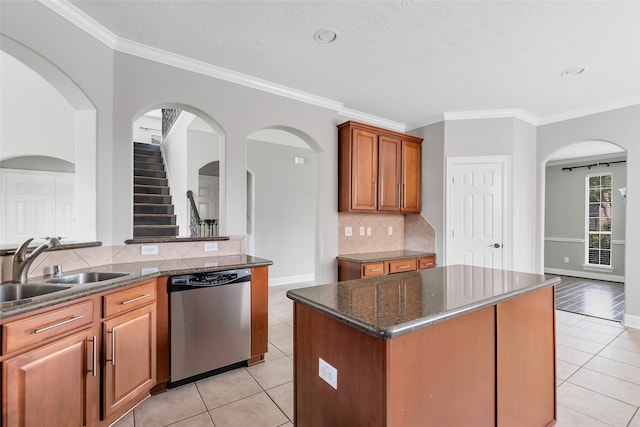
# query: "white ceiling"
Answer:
x=407 y=61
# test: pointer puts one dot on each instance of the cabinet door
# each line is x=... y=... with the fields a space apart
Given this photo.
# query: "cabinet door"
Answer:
x=389 y=163
x=130 y=358
x=364 y=170
x=411 y=177
x=48 y=386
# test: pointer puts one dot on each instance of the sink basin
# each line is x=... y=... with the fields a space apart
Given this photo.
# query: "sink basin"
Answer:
x=16 y=292
x=89 y=277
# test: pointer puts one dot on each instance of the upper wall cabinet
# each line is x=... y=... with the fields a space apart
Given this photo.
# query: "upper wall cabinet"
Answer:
x=378 y=170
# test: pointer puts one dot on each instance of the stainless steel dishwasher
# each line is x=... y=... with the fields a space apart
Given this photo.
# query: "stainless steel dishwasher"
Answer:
x=210 y=316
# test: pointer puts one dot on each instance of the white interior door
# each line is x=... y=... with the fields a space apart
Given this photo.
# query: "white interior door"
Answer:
x=208 y=196
x=476 y=212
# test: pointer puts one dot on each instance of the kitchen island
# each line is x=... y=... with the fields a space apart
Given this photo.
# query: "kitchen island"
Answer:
x=449 y=346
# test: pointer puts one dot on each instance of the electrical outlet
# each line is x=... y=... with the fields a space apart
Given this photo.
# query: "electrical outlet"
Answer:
x=566 y=260
x=362 y=230
x=149 y=250
x=369 y=231
x=390 y=231
x=348 y=231
x=148 y=270
x=328 y=373
x=210 y=246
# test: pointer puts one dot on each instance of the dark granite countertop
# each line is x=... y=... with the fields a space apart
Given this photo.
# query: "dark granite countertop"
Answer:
x=397 y=304
x=11 y=249
x=382 y=256
x=138 y=271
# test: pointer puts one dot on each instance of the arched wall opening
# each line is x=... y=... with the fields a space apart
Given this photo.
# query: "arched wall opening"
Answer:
x=79 y=148
x=283 y=190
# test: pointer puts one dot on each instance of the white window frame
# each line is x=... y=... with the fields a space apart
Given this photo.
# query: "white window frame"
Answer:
x=587 y=265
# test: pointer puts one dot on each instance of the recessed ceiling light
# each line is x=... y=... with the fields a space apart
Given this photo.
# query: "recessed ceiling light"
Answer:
x=572 y=72
x=324 y=35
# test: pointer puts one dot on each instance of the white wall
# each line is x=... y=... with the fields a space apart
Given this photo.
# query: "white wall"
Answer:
x=621 y=127
x=143 y=129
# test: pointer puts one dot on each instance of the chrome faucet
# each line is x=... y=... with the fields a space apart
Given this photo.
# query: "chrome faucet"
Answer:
x=22 y=261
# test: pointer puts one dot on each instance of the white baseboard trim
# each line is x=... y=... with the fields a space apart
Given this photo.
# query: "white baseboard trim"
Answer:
x=585 y=274
x=631 y=321
x=291 y=279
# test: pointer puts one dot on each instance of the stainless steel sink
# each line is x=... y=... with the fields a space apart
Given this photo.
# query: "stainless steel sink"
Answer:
x=88 y=277
x=14 y=292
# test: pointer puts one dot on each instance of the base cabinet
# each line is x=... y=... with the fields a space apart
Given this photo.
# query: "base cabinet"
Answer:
x=54 y=385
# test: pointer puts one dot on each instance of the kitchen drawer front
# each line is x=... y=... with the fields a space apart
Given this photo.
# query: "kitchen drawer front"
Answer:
x=373 y=269
x=40 y=327
x=128 y=299
x=402 y=265
x=426 y=262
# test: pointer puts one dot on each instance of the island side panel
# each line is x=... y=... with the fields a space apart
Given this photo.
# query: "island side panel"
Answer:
x=444 y=375
x=526 y=360
x=259 y=314
x=359 y=360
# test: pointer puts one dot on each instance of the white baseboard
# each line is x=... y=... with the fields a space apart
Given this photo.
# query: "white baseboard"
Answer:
x=585 y=274
x=631 y=321
x=291 y=279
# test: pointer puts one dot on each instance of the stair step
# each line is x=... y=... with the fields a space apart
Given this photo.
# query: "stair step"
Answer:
x=155 y=231
x=161 y=199
x=148 y=153
x=148 y=180
x=149 y=173
x=150 y=189
x=157 y=160
x=148 y=166
x=152 y=208
x=142 y=145
x=154 y=219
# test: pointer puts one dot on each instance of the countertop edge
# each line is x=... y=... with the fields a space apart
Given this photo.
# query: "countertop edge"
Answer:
x=15 y=308
x=412 y=326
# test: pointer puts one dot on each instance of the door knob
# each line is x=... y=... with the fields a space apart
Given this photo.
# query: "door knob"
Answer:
x=495 y=245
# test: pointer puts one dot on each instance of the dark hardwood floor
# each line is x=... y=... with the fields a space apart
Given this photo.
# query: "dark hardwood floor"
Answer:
x=591 y=297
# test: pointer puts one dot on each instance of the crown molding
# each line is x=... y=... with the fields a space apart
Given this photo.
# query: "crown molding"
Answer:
x=515 y=113
x=436 y=118
x=587 y=111
x=372 y=120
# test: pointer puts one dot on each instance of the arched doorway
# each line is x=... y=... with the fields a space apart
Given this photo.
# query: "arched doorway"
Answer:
x=584 y=227
x=282 y=202
x=169 y=158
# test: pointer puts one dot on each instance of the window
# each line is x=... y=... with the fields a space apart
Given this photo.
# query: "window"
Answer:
x=598 y=224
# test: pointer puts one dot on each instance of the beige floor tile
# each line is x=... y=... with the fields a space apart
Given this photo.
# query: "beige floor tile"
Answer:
x=562 y=326
x=285 y=318
x=283 y=396
x=625 y=356
x=273 y=353
x=610 y=328
x=165 y=408
x=565 y=369
x=255 y=411
x=635 y=422
x=579 y=343
x=571 y=355
x=614 y=368
x=594 y=405
x=126 y=421
x=588 y=334
x=627 y=341
x=611 y=323
x=285 y=345
x=280 y=330
x=609 y=386
x=201 y=420
x=273 y=373
x=227 y=387
x=568 y=417
x=568 y=318
x=273 y=320
x=281 y=307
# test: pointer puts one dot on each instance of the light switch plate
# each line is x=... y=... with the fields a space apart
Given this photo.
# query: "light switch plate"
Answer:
x=149 y=250
x=328 y=373
x=210 y=246
x=362 y=230
x=368 y=231
x=348 y=231
x=390 y=230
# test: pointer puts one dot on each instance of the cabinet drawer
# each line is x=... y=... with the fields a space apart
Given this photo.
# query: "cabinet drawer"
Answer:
x=426 y=262
x=128 y=299
x=402 y=265
x=374 y=269
x=43 y=326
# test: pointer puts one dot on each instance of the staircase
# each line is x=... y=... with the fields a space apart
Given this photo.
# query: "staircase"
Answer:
x=152 y=208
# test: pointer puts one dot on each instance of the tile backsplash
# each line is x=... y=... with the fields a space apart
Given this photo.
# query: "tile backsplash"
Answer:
x=75 y=259
x=411 y=232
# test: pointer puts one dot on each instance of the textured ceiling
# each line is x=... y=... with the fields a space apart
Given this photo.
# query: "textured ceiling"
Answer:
x=407 y=61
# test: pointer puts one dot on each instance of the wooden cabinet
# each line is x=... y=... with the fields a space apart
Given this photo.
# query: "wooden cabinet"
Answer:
x=259 y=314
x=129 y=338
x=49 y=375
x=378 y=170
x=349 y=270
